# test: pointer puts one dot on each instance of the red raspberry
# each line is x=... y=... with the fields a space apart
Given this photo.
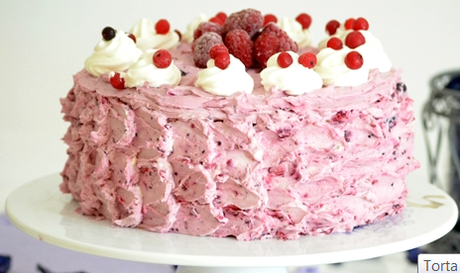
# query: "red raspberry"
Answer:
x=217 y=49
x=207 y=27
x=249 y=20
x=265 y=46
x=240 y=45
x=202 y=45
x=222 y=60
x=286 y=43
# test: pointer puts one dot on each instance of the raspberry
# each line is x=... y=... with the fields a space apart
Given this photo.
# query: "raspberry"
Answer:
x=222 y=60
x=240 y=45
x=249 y=20
x=286 y=43
x=207 y=27
x=217 y=49
x=265 y=46
x=202 y=45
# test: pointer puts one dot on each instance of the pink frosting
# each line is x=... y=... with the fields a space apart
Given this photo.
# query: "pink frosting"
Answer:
x=252 y=166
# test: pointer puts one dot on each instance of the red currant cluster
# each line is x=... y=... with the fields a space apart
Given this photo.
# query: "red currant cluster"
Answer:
x=307 y=59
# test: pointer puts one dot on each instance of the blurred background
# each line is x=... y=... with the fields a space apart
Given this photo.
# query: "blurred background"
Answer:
x=43 y=43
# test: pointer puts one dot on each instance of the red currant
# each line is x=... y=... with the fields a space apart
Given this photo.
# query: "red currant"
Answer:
x=222 y=16
x=217 y=50
x=304 y=19
x=332 y=26
x=217 y=20
x=360 y=24
x=130 y=35
x=284 y=59
x=349 y=23
x=108 y=33
x=162 y=26
x=354 y=60
x=354 y=39
x=308 y=59
x=268 y=18
x=222 y=60
x=335 y=43
x=162 y=58
x=117 y=81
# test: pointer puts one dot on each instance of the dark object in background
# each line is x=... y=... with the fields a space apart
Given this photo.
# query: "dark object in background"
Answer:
x=5 y=263
x=44 y=270
x=441 y=116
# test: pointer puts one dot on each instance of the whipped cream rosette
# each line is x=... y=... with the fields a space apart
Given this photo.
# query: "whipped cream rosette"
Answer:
x=113 y=53
x=294 y=29
x=225 y=82
x=187 y=36
x=148 y=36
x=295 y=79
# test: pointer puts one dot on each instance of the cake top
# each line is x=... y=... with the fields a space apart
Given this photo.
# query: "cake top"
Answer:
x=225 y=48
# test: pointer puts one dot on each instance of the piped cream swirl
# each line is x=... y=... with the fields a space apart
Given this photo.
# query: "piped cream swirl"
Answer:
x=188 y=34
x=147 y=37
x=114 y=55
x=225 y=82
x=333 y=70
x=294 y=80
x=144 y=72
x=294 y=30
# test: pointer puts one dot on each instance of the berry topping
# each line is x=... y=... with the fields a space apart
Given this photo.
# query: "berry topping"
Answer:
x=117 y=81
x=360 y=24
x=202 y=45
x=249 y=20
x=207 y=27
x=130 y=35
x=240 y=45
x=222 y=16
x=162 y=26
x=354 y=39
x=304 y=19
x=335 y=43
x=284 y=59
x=179 y=34
x=270 y=18
x=354 y=60
x=332 y=26
x=286 y=43
x=217 y=50
x=162 y=58
x=349 y=23
x=308 y=59
x=217 y=20
x=265 y=46
x=222 y=60
x=108 y=33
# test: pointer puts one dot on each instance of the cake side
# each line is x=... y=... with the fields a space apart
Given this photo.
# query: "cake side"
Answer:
x=262 y=165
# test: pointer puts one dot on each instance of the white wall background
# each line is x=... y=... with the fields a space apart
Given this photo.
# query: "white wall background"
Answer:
x=43 y=43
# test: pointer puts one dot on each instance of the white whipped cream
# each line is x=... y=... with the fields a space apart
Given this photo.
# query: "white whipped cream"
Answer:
x=188 y=35
x=341 y=33
x=114 y=55
x=144 y=71
x=373 y=54
x=294 y=80
x=225 y=82
x=147 y=37
x=333 y=70
x=294 y=30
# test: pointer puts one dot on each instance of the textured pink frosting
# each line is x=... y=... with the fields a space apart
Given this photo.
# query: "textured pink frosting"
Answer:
x=253 y=166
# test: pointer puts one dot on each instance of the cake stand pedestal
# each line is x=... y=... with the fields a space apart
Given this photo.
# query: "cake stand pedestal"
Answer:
x=40 y=210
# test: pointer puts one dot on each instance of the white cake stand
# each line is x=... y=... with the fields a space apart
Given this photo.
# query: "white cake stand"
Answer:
x=39 y=209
